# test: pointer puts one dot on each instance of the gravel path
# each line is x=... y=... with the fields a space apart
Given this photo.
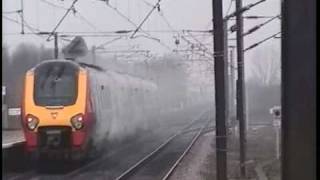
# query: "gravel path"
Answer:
x=200 y=163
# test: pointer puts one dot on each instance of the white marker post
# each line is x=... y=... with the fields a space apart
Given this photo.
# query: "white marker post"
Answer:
x=276 y=111
x=5 y=123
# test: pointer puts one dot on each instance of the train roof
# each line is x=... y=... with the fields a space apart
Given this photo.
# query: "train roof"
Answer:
x=121 y=77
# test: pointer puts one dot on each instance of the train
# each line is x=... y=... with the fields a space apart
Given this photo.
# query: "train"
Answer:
x=68 y=107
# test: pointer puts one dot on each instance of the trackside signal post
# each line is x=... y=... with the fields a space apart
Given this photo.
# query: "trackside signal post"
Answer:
x=276 y=122
x=220 y=74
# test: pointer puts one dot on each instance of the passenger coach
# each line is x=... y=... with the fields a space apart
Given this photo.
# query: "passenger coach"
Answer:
x=68 y=106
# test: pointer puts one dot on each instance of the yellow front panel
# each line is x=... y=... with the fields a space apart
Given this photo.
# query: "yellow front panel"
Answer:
x=64 y=115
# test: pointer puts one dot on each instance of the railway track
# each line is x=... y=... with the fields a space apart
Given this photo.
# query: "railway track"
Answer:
x=166 y=155
x=76 y=170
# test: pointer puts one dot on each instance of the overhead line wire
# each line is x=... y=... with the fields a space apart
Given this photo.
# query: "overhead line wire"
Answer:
x=229 y=6
x=10 y=19
x=148 y=15
x=11 y=12
x=125 y=17
x=136 y=26
x=32 y=29
x=86 y=20
x=53 y=5
x=260 y=42
x=255 y=28
x=63 y=17
x=81 y=17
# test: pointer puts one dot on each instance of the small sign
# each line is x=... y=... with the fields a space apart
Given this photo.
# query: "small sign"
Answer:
x=276 y=122
x=14 y=111
x=276 y=112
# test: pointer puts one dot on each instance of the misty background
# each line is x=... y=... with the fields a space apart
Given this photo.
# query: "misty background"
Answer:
x=193 y=80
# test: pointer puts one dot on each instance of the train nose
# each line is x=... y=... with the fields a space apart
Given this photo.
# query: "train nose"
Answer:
x=54 y=137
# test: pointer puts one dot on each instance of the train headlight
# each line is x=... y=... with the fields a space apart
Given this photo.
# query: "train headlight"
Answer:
x=77 y=121
x=32 y=122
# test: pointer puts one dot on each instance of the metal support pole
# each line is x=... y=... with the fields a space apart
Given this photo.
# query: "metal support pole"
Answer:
x=220 y=69
x=241 y=104
x=56 y=50
x=278 y=142
x=22 y=17
x=299 y=90
x=232 y=85
x=227 y=79
x=232 y=105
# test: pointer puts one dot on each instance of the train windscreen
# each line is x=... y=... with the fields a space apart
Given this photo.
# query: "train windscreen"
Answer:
x=55 y=84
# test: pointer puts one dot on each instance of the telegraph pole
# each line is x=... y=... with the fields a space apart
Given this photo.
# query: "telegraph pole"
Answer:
x=220 y=89
x=22 y=18
x=241 y=104
x=56 y=50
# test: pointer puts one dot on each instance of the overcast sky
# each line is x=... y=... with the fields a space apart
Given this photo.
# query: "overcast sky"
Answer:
x=95 y=16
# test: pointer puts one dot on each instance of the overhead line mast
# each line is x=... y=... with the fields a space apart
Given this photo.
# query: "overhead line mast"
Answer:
x=220 y=92
x=241 y=99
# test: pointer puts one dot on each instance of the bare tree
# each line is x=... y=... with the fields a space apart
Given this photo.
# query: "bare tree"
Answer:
x=24 y=57
x=5 y=64
x=266 y=66
x=263 y=87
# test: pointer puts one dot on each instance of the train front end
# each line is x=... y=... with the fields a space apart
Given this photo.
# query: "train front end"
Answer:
x=57 y=116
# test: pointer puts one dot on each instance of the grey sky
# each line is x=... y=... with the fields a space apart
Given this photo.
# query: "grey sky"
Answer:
x=181 y=14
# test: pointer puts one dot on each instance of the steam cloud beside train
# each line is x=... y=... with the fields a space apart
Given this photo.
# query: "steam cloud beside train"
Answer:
x=171 y=93
x=168 y=73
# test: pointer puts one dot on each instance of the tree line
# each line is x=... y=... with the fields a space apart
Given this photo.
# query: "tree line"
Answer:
x=16 y=64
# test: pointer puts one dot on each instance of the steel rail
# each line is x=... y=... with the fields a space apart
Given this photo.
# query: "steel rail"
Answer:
x=94 y=162
x=175 y=165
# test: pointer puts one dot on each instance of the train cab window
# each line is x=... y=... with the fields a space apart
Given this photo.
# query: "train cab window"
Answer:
x=55 y=84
